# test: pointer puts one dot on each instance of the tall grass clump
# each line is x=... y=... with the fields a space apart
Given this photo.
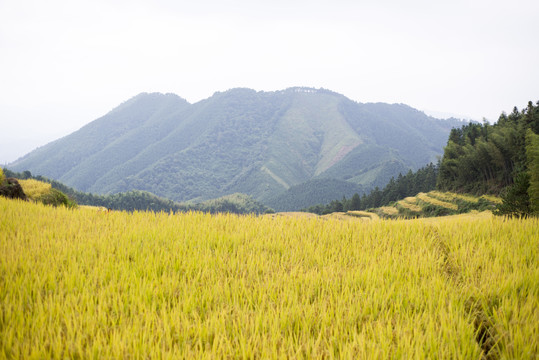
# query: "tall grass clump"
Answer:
x=39 y=191
x=34 y=189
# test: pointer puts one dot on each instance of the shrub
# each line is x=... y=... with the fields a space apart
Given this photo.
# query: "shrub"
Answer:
x=55 y=198
x=34 y=189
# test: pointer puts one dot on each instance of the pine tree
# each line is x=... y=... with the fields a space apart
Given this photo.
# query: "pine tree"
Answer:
x=532 y=154
x=516 y=201
x=355 y=202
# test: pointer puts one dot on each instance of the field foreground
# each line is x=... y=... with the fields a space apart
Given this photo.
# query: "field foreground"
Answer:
x=91 y=284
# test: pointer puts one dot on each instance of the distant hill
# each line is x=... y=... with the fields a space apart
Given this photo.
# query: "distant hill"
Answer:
x=316 y=191
x=240 y=141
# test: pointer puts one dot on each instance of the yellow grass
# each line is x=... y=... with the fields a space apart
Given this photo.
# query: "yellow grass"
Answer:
x=445 y=196
x=491 y=198
x=468 y=216
x=34 y=188
x=467 y=198
x=407 y=205
x=341 y=216
x=389 y=210
x=95 y=208
x=410 y=199
x=88 y=284
x=448 y=196
x=424 y=197
x=363 y=214
x=294 y=214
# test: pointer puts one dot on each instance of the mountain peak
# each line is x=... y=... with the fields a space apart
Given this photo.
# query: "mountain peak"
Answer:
x=240 y=140
x=149 y=98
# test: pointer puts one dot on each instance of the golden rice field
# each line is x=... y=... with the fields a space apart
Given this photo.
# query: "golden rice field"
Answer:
x=432 y=200
x=81 y=283
x=450 y=196
x=363 y=214
x=436 y=203
x=409 y=203
x=34 y=188
x=389 y=210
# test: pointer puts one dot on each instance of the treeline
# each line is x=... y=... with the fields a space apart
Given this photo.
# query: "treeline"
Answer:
x=423 y=180
x=143 y=200
x=315 y=191
x=500 y=159
x=235 y=203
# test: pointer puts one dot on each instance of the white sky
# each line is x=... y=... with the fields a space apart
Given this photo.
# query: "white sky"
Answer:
x=66 y=63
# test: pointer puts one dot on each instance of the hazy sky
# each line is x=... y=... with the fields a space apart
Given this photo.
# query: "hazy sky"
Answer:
x=66 y=63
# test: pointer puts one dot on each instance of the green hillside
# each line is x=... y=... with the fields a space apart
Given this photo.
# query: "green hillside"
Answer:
x=500 y=159
x=240 y=141
x=481 y=159
x=368 y=165
x=102 y=145
x=316 y=191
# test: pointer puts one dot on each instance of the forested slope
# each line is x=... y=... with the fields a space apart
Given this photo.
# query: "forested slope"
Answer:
x=257 y=143
x=480 y=159
x=496 y=159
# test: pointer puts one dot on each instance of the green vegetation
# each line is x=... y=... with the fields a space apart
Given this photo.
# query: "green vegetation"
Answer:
x=423 y=205
x=42 y=192
x=314 y=191
x=235 y=203
x=34 y=190
x=410 y=184
x=39 y=189
x=241 y=141
x=436 y=203
x=480 y=159
x=56 y=198
x=496 y=159
x=532 y=154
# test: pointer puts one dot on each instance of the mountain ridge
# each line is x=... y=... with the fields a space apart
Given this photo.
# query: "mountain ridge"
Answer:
x=258 y=143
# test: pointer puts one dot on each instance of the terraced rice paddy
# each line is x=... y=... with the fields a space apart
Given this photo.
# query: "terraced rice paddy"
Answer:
x=34 y=188
x=409 y=203
x=435 y=203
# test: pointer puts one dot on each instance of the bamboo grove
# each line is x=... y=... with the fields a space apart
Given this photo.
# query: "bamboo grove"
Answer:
x=498 y=159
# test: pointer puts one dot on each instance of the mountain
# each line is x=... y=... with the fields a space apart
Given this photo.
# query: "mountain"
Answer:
x=257 y=143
